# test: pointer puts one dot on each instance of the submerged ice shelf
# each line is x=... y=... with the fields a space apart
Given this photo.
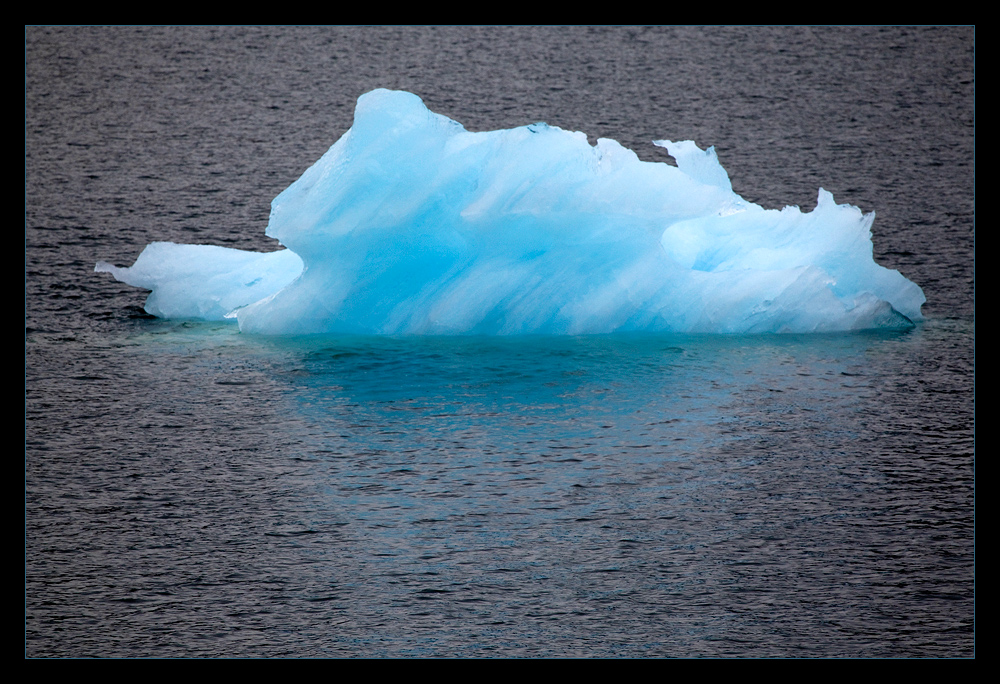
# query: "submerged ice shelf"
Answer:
x=409 y=224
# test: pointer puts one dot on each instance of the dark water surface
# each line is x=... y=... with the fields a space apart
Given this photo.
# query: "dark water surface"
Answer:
x=191 y=491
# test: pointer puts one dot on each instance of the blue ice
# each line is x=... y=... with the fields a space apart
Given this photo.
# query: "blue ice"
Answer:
x=409 y=224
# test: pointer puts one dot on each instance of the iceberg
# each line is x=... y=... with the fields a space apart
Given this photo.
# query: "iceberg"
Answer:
x=410 y=224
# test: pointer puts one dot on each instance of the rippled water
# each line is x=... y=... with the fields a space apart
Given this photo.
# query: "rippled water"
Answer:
x=191 y=491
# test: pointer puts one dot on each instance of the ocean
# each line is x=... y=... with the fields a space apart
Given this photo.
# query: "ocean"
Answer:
x=191 y=491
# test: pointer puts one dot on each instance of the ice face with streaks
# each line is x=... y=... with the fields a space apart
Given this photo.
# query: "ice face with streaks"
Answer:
x=410 y=224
